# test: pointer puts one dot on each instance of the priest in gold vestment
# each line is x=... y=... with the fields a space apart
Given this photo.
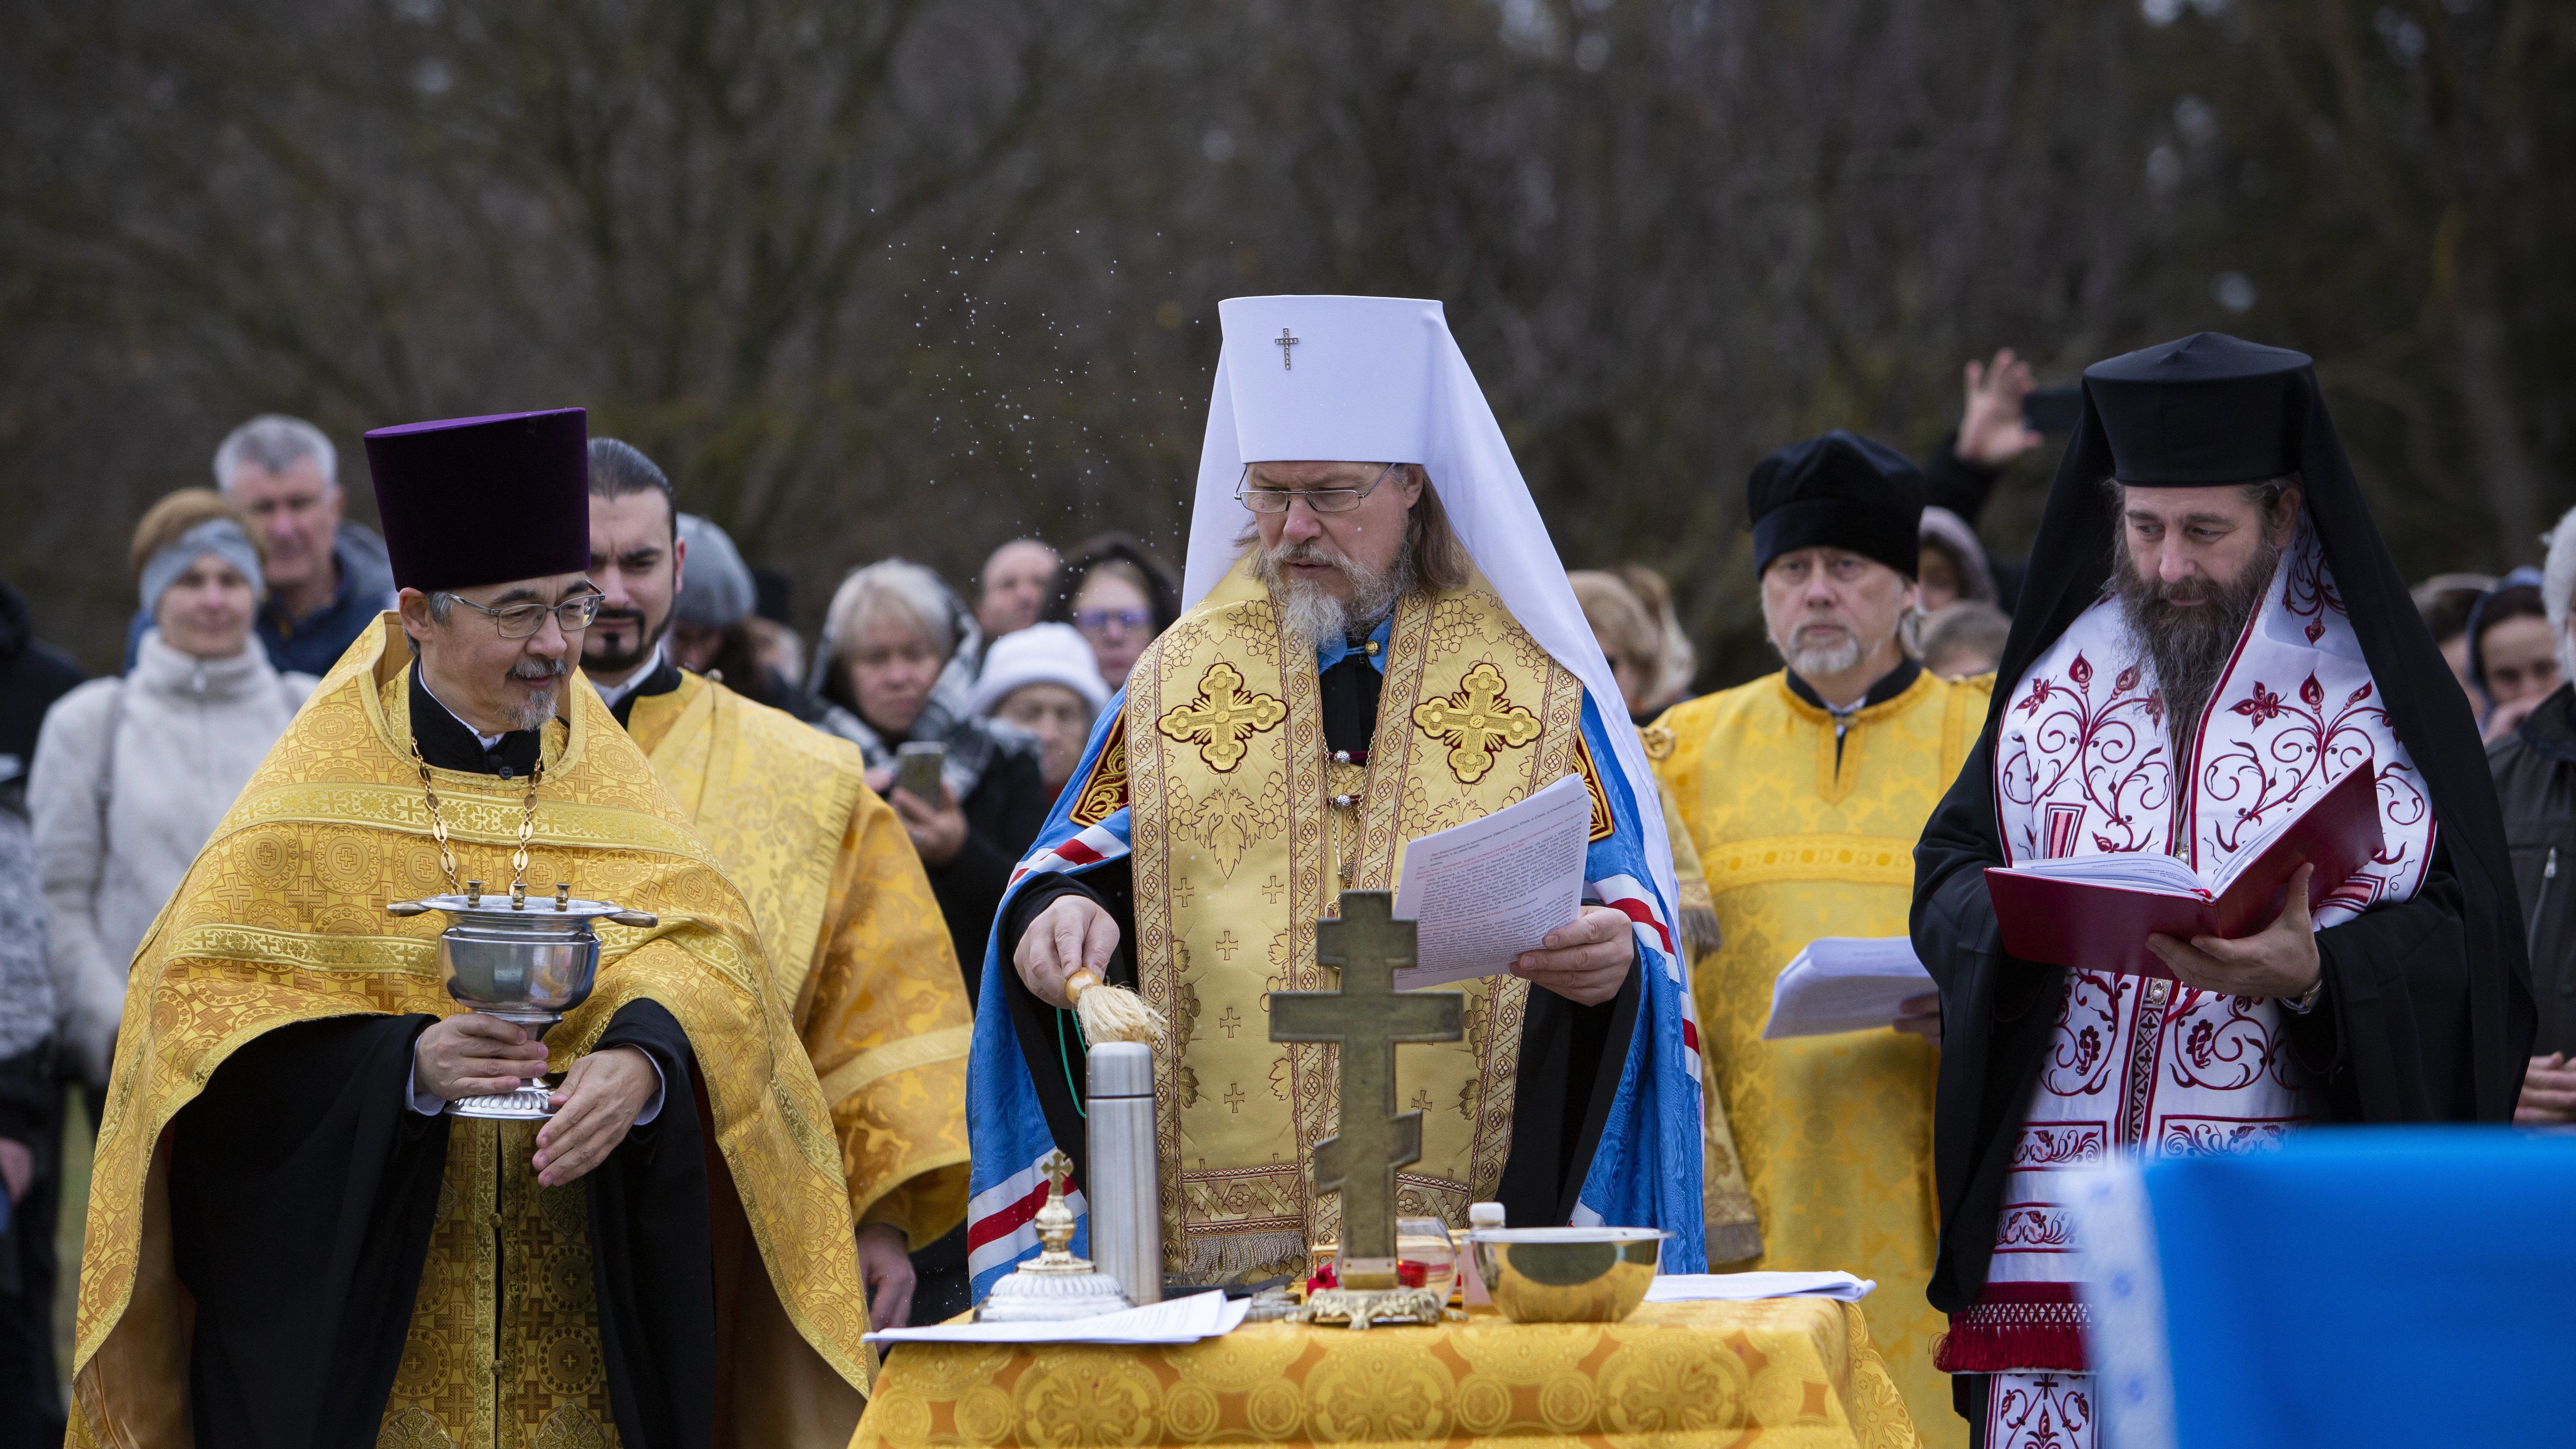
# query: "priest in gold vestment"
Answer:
x=1373 y=650
x=857 y=950
x=1804 y=792
x=290 y=1241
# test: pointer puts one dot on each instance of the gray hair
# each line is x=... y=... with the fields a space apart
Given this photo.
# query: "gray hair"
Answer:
x=2558 y=587
x=276 y=442
x=893 y=586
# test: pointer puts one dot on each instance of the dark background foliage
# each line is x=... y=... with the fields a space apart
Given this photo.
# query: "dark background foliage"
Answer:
x=912 y=276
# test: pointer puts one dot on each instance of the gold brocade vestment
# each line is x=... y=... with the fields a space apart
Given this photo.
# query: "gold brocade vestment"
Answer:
x=1797 y=842
x=1238 y=848
x=856 y=946
x=281 y=919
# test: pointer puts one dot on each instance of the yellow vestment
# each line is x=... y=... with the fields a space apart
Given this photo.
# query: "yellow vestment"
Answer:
x=282 y=919
x=856 y=946
x=1239 y=846
x=1798 y=840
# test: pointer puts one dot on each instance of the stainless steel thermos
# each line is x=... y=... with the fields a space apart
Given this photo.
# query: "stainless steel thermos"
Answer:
x=1126 y=1210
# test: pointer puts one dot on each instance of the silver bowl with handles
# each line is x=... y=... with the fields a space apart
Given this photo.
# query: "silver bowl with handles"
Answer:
x=1567 y=1275
x=527 y=962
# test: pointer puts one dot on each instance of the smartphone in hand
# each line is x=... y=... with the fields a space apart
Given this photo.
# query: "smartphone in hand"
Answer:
x=2052 y=409
x=916 y=769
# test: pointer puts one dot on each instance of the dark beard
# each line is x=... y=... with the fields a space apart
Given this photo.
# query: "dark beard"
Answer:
x=596 y=659
x=2191 y=644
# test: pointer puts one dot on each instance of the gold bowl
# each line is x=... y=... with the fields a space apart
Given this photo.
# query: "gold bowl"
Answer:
x=1567 y=1275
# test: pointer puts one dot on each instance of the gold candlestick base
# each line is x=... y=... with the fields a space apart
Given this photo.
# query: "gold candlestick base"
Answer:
x=1360 y=1307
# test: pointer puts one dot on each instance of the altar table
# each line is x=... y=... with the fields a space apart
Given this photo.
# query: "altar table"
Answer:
x=1786 y=1372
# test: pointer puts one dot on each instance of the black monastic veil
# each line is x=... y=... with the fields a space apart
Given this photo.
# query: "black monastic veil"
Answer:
x=2427 y=1012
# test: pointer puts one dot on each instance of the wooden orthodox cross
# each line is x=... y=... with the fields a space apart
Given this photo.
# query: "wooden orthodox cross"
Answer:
x=1367 y=1017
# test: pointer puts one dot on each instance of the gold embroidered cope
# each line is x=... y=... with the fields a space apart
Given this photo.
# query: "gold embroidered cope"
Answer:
x=1235 y=857
x=859 y=957
x=281 y=919
x=857 y=949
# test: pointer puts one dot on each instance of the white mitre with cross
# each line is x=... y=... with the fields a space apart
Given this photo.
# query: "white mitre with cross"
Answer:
x=1380 y=380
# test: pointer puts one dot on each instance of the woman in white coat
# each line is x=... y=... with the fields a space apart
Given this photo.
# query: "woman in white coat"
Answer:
x=131 y=775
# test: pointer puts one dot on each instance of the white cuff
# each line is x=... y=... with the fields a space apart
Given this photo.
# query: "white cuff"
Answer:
x=652 y=1106
x=427 y=1104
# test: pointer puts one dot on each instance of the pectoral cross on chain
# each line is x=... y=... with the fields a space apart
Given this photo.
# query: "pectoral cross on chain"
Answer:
x=1283 y=344
x=1367 y=1017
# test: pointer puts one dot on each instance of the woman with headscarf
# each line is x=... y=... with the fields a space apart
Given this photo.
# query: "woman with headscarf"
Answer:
x=1120 y=597
x=131 y=774
x=897 y=667
x=2513 y=657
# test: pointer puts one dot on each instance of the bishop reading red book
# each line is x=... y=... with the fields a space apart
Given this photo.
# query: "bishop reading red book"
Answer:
x=2095 y=912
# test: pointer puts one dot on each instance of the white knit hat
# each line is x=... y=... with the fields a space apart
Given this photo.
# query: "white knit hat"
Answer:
x=1039 y=654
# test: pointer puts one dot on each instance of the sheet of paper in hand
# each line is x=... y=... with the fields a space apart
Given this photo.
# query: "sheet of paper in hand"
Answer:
x=1844 y=983
x=1482 y=893
x=2095 y=912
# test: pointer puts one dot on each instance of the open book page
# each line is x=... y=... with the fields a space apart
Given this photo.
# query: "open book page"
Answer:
x=2141 y=870
x=1844 y=983
x=1482 y=893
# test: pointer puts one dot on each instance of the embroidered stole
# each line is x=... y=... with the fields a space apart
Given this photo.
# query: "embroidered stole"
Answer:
x=1239 y=846
x=2083 y=766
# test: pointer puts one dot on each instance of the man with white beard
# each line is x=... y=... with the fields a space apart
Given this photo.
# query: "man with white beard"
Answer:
x=1379 y=642
x=1804 y=792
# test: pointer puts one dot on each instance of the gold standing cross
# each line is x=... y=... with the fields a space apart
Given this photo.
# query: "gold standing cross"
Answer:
x=1222 y=718
x=1476 y=723
x=1367 y=1017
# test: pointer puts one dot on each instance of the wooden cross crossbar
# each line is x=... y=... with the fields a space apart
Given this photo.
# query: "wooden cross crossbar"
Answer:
x=1367 y=1017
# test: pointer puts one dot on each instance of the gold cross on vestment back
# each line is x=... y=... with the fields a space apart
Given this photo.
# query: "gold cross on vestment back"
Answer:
x=1222 y=717
x=1367 y=1017
x=1476 y=722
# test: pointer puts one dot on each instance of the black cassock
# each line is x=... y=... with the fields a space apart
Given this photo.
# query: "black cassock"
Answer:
x=1571 y=1057
x=303 y=1189
x=2426 y=1014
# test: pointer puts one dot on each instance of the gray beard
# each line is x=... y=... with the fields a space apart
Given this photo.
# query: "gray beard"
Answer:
x=1831 y=659
x=2190 y=644
x=1309 y=612
x=539 y=707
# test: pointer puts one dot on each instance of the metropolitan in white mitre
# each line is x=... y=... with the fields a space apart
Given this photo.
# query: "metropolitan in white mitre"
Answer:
x=1378 y=643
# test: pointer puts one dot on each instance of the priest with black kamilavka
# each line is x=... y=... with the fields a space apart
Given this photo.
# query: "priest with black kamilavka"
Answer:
x=2212 y=633
x=291 y=1240
x=1378 y=643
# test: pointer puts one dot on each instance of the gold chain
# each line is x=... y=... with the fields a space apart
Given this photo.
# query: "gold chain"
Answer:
x=438 y=826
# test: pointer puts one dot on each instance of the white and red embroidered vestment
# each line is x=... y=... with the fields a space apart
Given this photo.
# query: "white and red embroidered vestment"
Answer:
x=2084 y=765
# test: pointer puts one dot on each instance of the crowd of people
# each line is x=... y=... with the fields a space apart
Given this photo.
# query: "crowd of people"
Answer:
x=1793 y=805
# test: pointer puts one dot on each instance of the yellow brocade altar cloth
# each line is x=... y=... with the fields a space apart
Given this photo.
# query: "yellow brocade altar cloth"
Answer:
x=1793 y=1371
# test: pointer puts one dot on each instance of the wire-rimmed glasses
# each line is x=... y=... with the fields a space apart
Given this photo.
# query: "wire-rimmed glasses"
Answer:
x=519 y=621
x=1321 y=500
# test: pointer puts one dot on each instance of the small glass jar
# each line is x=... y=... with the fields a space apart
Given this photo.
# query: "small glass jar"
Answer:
x=1427 y=1241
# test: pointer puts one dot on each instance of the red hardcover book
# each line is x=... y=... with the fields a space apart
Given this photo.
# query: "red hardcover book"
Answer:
x=2095 y=912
